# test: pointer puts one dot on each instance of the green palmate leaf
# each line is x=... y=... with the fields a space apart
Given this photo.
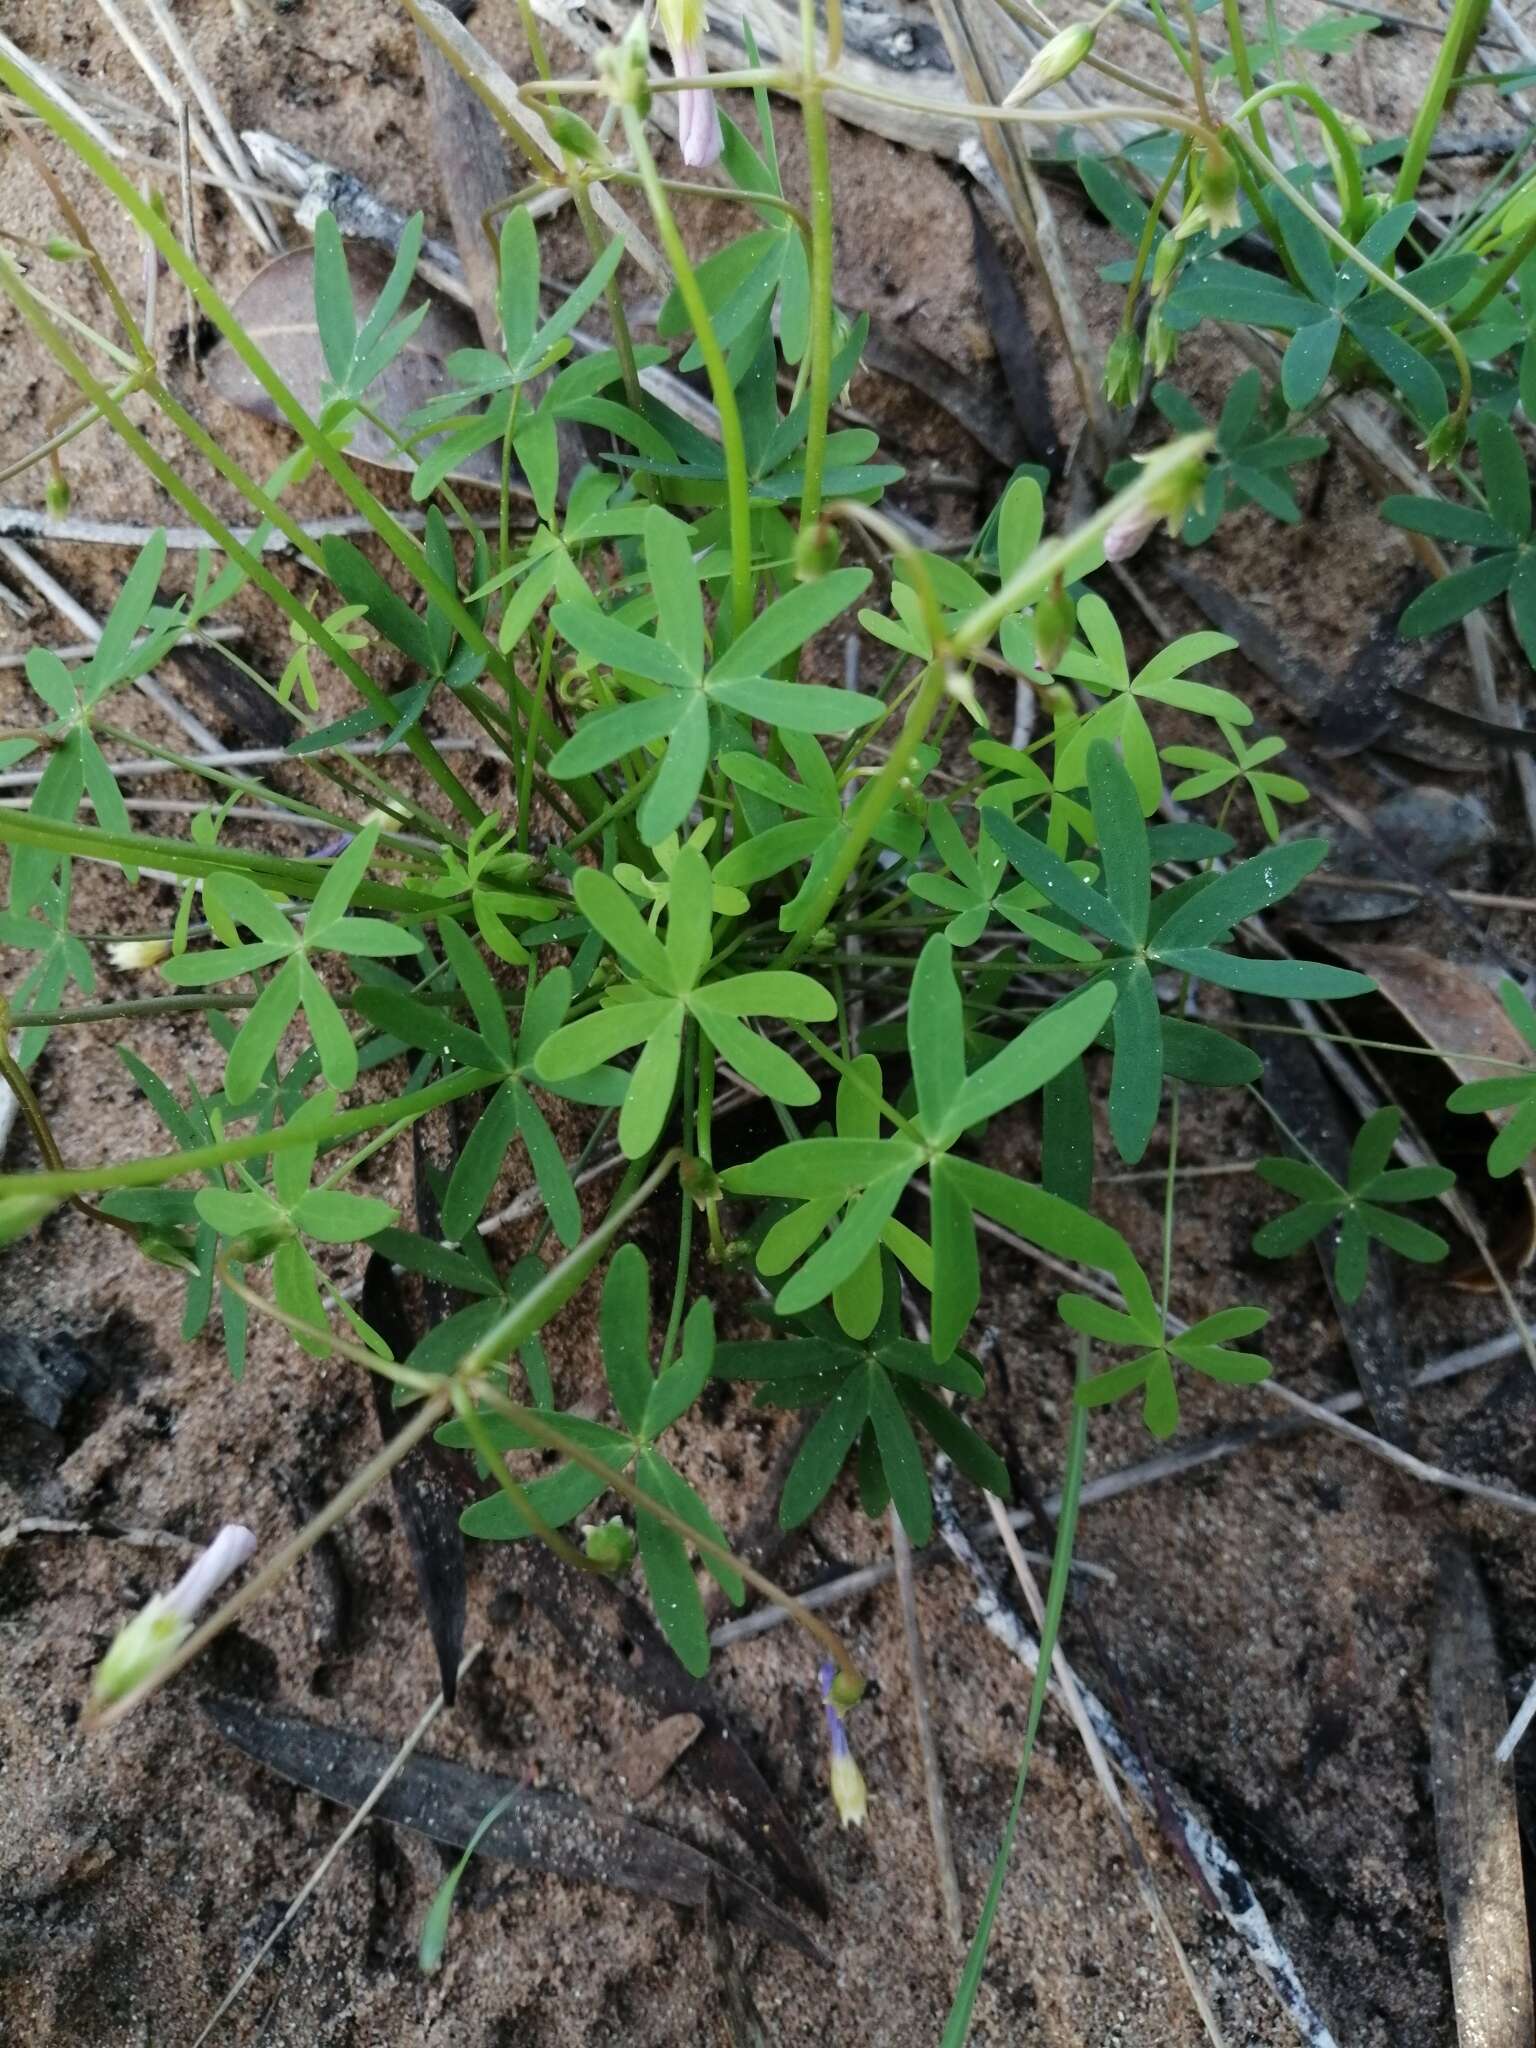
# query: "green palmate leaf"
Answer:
x=1455 y=595
x=1136 y=1083
x=625 y=1329
x=1308 y=359
x=673 y=1589
x=956 y=1285
x=900 y=1459
x=936 y=1035
x=1517 y=1092
x=1056 y=882
x=822 y=1455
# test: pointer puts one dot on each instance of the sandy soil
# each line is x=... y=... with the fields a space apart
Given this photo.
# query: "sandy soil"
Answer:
x=1268 y=1618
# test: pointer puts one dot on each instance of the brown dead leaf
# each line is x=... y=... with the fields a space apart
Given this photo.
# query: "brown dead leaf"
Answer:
x=1450 y=1008
x=277 y=310
x=1477 y=1831
x=540 y=1828
x=644 y=1761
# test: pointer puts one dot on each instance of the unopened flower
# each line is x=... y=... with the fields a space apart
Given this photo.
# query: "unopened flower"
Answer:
x=131 y=954
x=698 y=119
x=1052 y=62
x=1219 y=186
x=1167 y=500
x=1162 y=343
x=1128 y=533
x=610 y=1545
x=158 y=1630
x=1122 y=368
x=849 y=1795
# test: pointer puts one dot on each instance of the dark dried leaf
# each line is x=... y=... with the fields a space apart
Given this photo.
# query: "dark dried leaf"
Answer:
x=541 y=1829
x=277 y=310
x=1493 y=731
x=642 y=1764
x=1014 y=340
x=743 y=2023
x=1365 y=703
x=1438 y=825
x=214 y=676
x=1477 y=1830
x=971 y=402
x=616 y=1643
x=427 y=1497
x=1323 y=700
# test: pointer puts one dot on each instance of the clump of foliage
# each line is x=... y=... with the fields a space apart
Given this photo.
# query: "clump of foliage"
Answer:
x=716 y=866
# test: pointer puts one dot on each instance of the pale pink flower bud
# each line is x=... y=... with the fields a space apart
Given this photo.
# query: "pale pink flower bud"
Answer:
x=1128 y=533
x=197 y=1585
x=698 y=119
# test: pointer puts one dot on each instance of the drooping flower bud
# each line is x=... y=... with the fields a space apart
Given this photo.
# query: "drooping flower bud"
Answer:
x=1444 y=441
x=1219 y=187
x=132 y=955
x=1122 y=368
x=849 y=1793
x=1055 y=616
x=609 y=1545
x=1164 y=263
x=572 y=133
x=1167 y=500
x=158 y=1630
x=1162 y=342
x=624 y=67
x=817 y=548
x=56 y=495
x=1128 y=532
x=698 y=118
x=1052 y=62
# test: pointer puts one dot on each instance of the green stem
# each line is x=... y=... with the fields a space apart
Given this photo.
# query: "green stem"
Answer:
x=818 y=169
x=1074 y=554
x=613 y=296
x=151 y=1173
x=1150 y=226
x=1498 y=276
x=957 y=2028
x=872 y=807
x=1242 y=65
x=1427 y=119
x=1196 y=59
x=1169 y=1191
x=732 y=440
x=1034 y=115
x=1345 y=157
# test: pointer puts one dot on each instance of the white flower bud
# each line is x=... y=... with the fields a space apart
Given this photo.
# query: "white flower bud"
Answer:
x=1052 y=62
x=131 y=955
x=159 y=1629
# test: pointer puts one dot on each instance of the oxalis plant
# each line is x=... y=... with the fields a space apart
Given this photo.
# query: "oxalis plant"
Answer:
x=718 y=874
